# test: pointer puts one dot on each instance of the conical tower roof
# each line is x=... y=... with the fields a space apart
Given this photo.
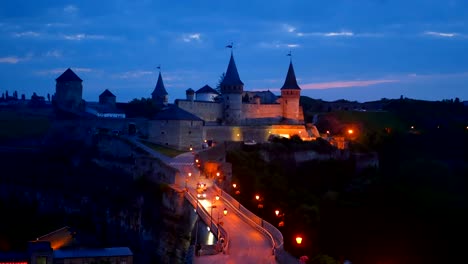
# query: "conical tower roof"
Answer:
x=232 y=76
x=68 y=76
x=290 y=82
x=159 y=90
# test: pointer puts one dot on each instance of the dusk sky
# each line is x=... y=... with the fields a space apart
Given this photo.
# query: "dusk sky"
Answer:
x=350 y=49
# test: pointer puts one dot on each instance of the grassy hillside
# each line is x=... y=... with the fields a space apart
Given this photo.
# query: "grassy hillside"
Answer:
x=16 y=125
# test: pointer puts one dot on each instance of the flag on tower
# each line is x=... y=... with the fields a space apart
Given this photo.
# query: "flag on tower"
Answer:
x=229 y=46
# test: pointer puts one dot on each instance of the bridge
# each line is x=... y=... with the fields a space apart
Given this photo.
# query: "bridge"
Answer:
x=247 y=238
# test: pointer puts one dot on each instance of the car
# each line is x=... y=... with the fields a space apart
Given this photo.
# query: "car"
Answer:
x=201 y=195
x=201 y=186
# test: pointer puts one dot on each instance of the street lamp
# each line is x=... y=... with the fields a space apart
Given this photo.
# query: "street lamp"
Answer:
x=257 y=197
x=299 y=240
x=277 y=212
x=217 y=174
x=217 y=197
x=234 y=185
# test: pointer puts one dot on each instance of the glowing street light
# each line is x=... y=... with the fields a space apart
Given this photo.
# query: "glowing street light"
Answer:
x=225 y=212
x=298 y=240
x=217 y=197
x=350 y=131
x=234 y=185
x=277 y=212
x=217 y=174
x=257 y=197
x=190 y=174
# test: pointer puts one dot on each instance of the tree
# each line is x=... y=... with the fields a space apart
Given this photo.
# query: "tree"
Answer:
x=15 y=94
x=220 y=80
x=48 y=97
x=23 y=97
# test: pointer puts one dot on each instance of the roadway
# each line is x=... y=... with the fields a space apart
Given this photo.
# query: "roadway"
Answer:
x=247 y=245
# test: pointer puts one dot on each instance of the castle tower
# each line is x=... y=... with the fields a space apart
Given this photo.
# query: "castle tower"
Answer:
x=68 y=90
x=159 y=95
x=290 y=94
x=231 y=89
x=190 y=94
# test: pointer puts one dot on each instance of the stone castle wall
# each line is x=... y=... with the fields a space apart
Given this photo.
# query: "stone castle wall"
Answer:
x=262 y=113
x=208 y=111
x=257 y=133
x=179 y=134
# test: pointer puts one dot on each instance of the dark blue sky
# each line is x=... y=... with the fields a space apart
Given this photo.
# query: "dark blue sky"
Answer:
x=356 y=50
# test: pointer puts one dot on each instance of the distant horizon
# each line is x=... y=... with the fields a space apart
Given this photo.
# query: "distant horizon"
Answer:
x=340 y=49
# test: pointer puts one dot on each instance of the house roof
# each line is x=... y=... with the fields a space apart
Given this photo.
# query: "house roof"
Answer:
x=290 y=82
x=92 y=252
x=159 y=90
x=232 y=76
x=68 y=76
x=107 y=93
x=206 y=89
x=173 y=112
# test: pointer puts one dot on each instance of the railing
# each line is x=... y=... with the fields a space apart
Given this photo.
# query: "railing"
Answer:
x=262 y=226
x=206 y=217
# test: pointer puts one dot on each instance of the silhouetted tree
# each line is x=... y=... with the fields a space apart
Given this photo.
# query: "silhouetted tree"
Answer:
x=48 y=97
x=15 y=94
x=220 y=80
x=457 y=100
x=6 y=94
x=23 y=97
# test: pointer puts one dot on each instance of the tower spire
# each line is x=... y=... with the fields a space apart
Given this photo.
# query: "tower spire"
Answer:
x=290 y=82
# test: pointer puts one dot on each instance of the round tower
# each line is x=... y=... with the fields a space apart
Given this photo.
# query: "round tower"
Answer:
x=190 y=93
x=290 y=95
x=231 y=89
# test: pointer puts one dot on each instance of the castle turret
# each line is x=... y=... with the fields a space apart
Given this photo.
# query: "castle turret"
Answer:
x=290 y=95
x=159 y=95
x=68 y=90
x=107 y=98
x=190 y=93
x=231 y=89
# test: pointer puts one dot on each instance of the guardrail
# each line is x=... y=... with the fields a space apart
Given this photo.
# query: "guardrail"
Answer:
x=206 y=217
x=262 y=226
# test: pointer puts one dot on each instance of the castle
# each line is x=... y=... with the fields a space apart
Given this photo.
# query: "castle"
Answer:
x=207 y=115
x=229 y=115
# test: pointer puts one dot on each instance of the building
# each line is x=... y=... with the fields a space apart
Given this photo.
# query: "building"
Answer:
x=106 y=107
x=176 y=128
x=159 y=94
x=230 y=115
x=69 y=91
x=234 y=106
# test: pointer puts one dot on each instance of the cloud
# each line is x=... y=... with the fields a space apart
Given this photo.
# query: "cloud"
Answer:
x=344 y=84
x=441 y=34
x=26 y=34
x=289 y=28
x=133 y=74
x=70 y=9
x=58 y=71
x=54 y=53
x=339 y=34
x=191 y=37
x=10 y=60
x=330 y=34
x=82 y=36
x=278 y=45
